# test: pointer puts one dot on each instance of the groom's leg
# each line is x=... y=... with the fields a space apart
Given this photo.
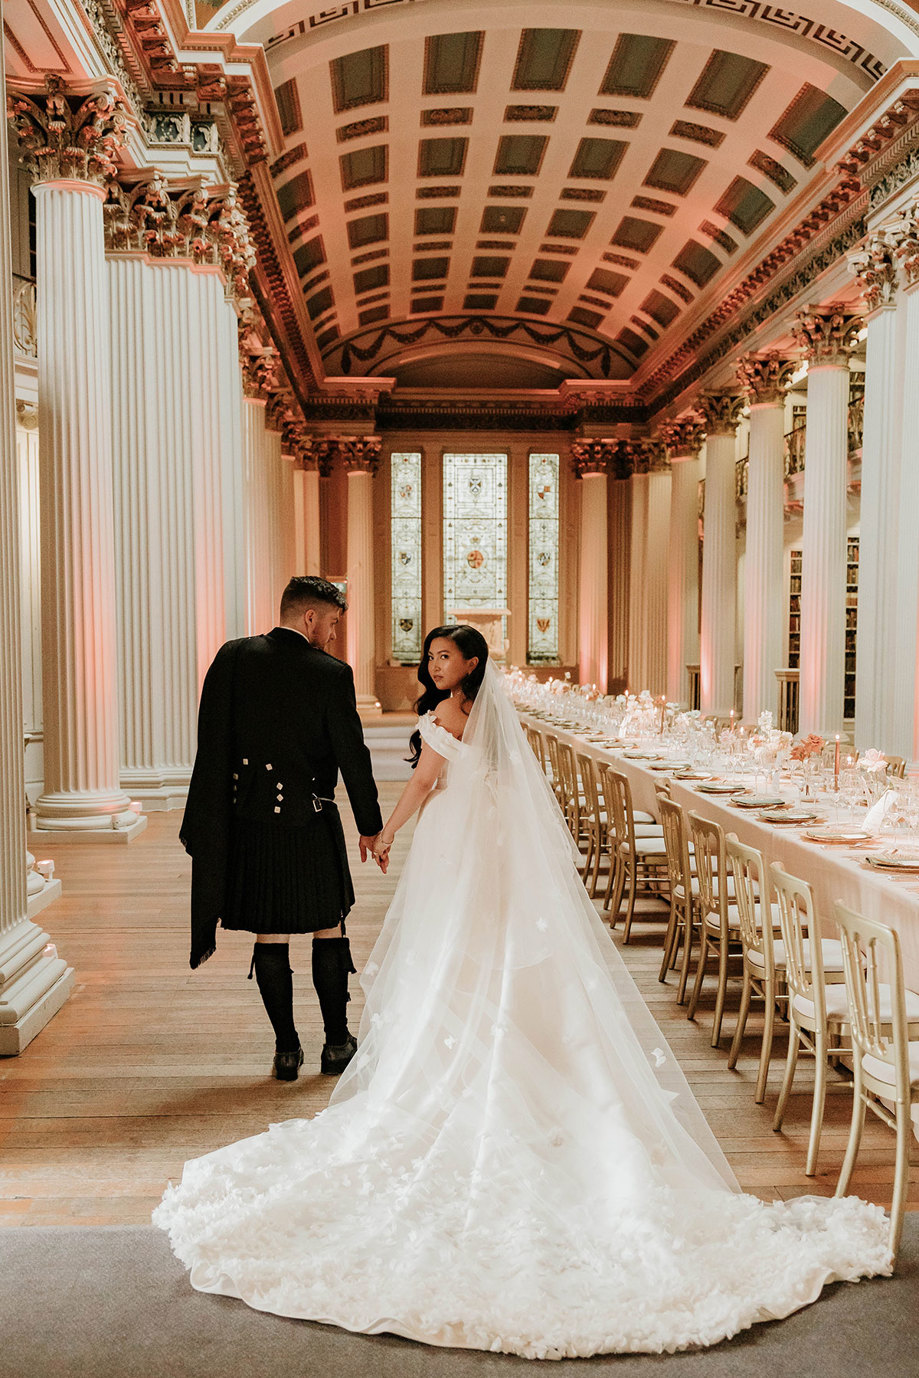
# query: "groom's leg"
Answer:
x=332 y=965
x=271 y=964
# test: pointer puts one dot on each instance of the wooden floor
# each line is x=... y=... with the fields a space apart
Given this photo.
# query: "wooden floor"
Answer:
x=149 y=1063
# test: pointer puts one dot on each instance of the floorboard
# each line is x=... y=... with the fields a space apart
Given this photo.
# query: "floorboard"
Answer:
x=149 y=1063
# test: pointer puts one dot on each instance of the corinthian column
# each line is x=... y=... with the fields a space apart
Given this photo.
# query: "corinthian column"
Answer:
x=34 y=981
x=591 y=460
x=683 y=440
x=764 y=379
x=826 y=337
x=721 y=412
x=887 y=692
x=68 y=145
x=650 y=485
x=361 y=459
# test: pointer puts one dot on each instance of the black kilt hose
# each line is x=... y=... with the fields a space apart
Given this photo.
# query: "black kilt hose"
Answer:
x=277 y=722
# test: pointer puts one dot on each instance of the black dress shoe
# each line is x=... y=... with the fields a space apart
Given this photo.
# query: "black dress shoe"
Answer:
x=286 y=1066
x=336 y=1056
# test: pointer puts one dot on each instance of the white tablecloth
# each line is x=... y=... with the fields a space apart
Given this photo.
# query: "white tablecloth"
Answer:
x=829 y=870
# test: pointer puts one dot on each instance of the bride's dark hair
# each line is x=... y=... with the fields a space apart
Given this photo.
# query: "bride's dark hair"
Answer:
x=472 y=643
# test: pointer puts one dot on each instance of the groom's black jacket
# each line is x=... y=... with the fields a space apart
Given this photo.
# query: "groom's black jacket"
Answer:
x=277 y=717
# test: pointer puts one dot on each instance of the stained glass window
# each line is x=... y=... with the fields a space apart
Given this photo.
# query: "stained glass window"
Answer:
x=406 y=557
x=475 y=531
x=542 y=533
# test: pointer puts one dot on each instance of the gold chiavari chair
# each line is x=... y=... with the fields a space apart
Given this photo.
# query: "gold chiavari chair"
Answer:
x=636 y=862
x=762 y=976
x=684 y=901
x=719 y=925
x=896 y=766
x=555 y=771
x=884 y=1061
x=571 y=789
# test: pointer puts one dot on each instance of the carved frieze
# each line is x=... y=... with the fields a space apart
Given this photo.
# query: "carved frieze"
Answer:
x=764 y=377
x=68 y=136
x=826 y=335
x=720 y=412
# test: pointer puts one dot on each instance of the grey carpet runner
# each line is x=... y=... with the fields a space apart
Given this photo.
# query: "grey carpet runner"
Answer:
x=114 y=1303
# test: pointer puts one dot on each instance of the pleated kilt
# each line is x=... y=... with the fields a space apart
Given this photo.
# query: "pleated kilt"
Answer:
x=288 y=879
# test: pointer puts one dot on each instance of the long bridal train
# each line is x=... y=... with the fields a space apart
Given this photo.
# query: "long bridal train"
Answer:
x=513 y=1161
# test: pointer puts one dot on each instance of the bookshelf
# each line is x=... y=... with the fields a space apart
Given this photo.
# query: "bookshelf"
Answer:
x=794 y=619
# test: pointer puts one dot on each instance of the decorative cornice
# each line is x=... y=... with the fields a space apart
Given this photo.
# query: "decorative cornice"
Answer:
x=69 y=134
x=764 y=377
x=720 y=412
x=826 y=335
x=684 y=438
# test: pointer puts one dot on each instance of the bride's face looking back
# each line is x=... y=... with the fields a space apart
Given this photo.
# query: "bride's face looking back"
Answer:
x=447 y=665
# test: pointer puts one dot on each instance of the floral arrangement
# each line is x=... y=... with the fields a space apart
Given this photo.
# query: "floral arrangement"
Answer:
x=872 y=761
x=806 y=747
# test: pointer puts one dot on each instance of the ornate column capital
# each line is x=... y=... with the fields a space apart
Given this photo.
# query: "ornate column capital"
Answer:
x=720 y=412
x=683 y=438
x=826 y=335
x=360 y=454
x=646 y=456
x=593 y=456
x=764 y=377
x=65 y=136
x=305 y=456
x=875 y=270
x=902 y=235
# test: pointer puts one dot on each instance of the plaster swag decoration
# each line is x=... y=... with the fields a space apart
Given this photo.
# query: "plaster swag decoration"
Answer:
x=764 y=377
x=68 y=136
x=826 y=335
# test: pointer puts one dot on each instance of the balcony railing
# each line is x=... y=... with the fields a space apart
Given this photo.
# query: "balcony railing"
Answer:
x=793 y=446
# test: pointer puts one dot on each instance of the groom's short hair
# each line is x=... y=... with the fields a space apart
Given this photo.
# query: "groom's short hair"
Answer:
x=309 y=591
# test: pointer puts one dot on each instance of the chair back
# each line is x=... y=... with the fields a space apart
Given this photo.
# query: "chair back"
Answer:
x=711 y=865
x=871 y=959
x=661 y=789
x=896 y=765
x=590 y=786
x=571 y=789
x=673 y=824
x=535 y=738
x=752 y=894
x=798 y=920
x=555 y=770
x=618 y=794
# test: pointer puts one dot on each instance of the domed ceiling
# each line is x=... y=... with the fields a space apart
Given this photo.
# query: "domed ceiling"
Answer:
x=478 y=193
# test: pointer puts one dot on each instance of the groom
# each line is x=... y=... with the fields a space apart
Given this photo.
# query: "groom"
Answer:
x=278 y=720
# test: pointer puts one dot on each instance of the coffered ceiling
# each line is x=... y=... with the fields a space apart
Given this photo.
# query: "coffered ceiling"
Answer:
x=515 y=193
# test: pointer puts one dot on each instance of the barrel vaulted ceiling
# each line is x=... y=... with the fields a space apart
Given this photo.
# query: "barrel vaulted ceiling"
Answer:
x=514 y=193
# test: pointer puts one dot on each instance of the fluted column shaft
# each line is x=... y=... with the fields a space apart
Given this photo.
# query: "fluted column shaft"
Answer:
x=648 y=583
x=683 y=574
x=823 y=550
x=763 y=607
x=718 y=636
x=592 y=581
x=260 y=510
x=619 y=509
x=306 y=518
x=361 y=611
x=80 y=696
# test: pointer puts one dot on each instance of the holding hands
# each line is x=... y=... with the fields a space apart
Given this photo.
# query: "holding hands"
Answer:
x=377 y=847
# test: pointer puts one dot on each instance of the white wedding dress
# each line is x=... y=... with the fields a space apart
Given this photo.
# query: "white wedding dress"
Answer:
x=513 y=1161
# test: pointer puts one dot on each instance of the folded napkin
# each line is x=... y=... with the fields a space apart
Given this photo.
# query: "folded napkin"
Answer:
x=876 y=814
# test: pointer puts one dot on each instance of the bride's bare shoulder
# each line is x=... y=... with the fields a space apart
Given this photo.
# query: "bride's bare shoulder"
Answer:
x=450 y=715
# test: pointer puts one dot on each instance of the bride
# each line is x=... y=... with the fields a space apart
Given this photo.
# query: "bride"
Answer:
x=513 y=1161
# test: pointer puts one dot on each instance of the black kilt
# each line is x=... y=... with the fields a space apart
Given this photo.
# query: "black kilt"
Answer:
x=287 y=879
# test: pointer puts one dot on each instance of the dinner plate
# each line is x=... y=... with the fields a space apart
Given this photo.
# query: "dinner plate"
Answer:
x=693 y=775
x=641 y=755
x=890 y=861
x=669 y=765
x=788 y=816
x=716 y=787
x=834 y=833
x=759 y=801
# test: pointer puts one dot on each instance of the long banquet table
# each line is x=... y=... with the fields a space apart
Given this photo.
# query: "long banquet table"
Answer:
x=833 y=873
